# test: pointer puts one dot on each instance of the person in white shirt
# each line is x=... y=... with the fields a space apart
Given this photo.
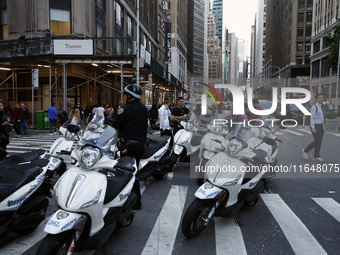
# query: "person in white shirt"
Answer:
x=164 y=114
x=317 y=126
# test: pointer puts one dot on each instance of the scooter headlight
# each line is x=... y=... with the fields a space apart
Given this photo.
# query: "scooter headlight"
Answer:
x=89 y=157
x=234 y=146
x=232 y=182
x=264 y=132
x=93 y=201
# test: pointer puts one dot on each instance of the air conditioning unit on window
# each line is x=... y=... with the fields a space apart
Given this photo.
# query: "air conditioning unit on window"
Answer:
x=165 y=6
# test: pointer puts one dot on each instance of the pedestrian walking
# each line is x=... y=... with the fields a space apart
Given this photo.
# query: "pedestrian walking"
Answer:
x=17 y=117
x=53 y=118
x=317 y=126
x=26 y=116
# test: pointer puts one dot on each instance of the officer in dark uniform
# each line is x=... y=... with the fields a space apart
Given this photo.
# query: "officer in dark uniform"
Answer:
x=132 y=124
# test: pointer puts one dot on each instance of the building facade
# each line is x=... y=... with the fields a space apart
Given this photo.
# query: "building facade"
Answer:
x=288 y=38
x=323 y=78
x=85 y=52
x=214 y=51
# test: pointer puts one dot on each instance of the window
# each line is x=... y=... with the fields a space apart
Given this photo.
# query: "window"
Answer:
x=301 y=3
x=316 y=46
x=301 y=17
x=308 y=31
x=300 y=31
x=307 y=46
x=307 y=60
x=299 y=46
x=315 y=69
x=299 y=60
x=118 y=14
x=60 y=22
x=309 y=17
x=4 y=26
x=309 y=3
x=324 y=43
x=324 y=67
x=129 y=26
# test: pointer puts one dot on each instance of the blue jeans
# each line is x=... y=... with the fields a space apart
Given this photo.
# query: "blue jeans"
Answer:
x=23 y=127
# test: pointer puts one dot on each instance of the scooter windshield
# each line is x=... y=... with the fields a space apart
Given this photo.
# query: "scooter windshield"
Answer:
x=98 y=134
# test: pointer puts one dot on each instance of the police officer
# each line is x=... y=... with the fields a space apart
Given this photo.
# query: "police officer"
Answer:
x=132 y=124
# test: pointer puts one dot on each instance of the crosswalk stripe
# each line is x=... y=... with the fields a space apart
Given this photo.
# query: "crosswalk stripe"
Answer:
x=293 y=132
x=278 y=133
x=338 y=135
x=330 y=205
x=228 y=237
x=305 y=130
x=297 y=234
x=163 y=235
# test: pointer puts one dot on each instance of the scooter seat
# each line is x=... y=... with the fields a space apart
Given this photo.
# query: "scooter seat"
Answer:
x=116 y=181
x=197 y=138
x=260 y=156
x=14 y=177
x=154 y=146
x=23 y=157
x=126 y=163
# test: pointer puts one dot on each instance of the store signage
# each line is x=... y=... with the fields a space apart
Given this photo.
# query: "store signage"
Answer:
x=168 y=43
x=73 y=47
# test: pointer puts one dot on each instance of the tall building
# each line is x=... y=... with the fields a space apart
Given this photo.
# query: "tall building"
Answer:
x=201 y=9
x=217 y=10
x=260 y=39
x=288 y=38
x=325 y=15
x=178 y=18
x=242 y=63
x=233 y=59
x=85 y=51
x=214 y=51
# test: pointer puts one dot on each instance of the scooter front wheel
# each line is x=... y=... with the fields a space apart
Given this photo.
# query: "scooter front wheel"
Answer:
x=56 y=244
x=196 y=217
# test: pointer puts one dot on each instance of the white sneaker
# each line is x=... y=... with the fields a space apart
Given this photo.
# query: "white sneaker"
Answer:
x=319 y=159
x=51 y=133
x=304 y=154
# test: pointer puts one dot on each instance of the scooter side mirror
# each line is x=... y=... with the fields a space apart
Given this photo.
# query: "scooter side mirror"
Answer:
x=269 y=141
x=73 y=128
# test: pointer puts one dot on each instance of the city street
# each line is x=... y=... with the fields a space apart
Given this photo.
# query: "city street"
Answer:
x=299 y=215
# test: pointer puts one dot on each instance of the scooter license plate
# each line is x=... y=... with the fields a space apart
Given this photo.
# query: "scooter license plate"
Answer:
x=178 y=149
x=54 y=163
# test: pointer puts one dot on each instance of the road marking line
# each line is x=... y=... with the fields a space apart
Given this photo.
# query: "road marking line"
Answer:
x=278 y=133
x=228 y=237
x=293 y=132
x=330 y=206
x=338 y=135
x=170 y=176
x=305 y=130
x=297 y=234
x=163 y=235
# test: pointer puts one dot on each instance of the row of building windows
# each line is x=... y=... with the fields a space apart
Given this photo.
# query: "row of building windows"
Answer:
x=301 y=30
x=320 y=71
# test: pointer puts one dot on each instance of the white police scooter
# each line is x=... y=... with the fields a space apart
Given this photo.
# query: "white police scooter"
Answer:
x=234 y=179
x=94 y=198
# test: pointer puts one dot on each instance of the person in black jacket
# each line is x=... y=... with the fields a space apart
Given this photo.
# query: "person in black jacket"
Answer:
x=179 y=114
x=153 y=115
x=25 y=117
x=132 y=124
x=4 y=129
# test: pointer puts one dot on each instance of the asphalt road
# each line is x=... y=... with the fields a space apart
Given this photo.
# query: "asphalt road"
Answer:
x=299 y=215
